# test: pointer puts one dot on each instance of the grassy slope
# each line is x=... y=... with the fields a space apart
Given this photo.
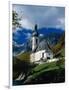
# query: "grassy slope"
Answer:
x=24 y=56
x=48 y=69
x=59 y=46
x=48 y=66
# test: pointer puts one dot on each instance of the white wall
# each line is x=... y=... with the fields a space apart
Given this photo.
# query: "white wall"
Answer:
x=33 y=43
x=38 y=55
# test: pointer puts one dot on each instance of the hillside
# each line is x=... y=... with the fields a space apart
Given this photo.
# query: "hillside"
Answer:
x=45 y=73
x=24 y=56
x=59 y=47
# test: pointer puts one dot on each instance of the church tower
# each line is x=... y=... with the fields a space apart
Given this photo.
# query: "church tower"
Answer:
x=35 y=39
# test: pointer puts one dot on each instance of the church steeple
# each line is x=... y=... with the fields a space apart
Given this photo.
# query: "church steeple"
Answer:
x=35 y=32
x=36 y=27
x=35 y=38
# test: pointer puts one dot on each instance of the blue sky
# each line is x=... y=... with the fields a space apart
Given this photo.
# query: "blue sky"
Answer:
x=44 y=16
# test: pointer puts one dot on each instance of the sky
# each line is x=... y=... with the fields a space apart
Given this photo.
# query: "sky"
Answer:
x=43 y=16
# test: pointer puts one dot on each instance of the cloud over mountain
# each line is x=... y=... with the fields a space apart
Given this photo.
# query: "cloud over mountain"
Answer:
x=44 y=16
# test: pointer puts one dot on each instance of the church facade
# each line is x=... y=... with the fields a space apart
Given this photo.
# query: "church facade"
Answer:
x=40 y=50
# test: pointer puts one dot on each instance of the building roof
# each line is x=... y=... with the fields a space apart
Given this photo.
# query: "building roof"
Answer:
x=43 y=46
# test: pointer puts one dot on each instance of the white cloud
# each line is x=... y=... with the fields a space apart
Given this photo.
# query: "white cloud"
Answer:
x=60 y=23
x=43 y=16
x=26 y=23
x=19 y=45
x=41 y=35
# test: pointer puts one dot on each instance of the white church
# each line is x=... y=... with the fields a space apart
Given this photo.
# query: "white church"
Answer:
x=40 y=50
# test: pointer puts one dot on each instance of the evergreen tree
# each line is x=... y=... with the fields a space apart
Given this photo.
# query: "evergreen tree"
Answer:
x=15 y=19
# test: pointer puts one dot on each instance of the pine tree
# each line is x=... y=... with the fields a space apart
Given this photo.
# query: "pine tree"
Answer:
x=15 y=19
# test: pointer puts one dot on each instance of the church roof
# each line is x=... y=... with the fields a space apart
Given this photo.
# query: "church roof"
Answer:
x=43 y=46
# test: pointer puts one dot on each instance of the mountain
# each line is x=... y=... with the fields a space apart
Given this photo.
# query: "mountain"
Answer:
x=59 y=48
x=48 y=31
x=22 y=37
x=18 y=49
x=51 y=35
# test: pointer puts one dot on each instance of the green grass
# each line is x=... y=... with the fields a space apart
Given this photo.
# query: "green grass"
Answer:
x=51 y=71
x=54 y=72
x=34 y=75
x=45 y=66
x=24 y=56
x=39 y=69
